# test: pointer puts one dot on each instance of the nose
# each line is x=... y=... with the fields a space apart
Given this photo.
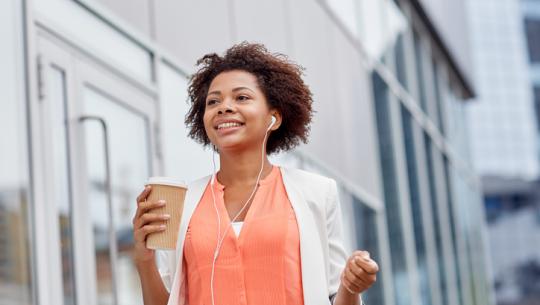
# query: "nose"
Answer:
x=225 y=106
x=226 y=110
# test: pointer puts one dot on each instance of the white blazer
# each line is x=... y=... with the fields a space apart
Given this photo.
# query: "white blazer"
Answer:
x=315 y=201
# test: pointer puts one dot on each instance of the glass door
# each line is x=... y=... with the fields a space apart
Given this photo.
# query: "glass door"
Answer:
x=100 y=129
x=116 y=121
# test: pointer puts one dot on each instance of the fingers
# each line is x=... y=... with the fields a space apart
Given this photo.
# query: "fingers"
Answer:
x=142 y=196
x=367 y=265
x=142 y=216
x=360 y=272
x=150 y=218
x=361 y=253
x=145 y=223
x=141 y=233
x=362 y=260
x=352 y=282
x=140 y=200
x=145 y=207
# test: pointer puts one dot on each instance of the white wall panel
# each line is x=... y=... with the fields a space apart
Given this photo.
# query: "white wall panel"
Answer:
x=190 y=29
x=270 y=27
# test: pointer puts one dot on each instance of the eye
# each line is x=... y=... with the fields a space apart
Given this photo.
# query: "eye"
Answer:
x=210 y=102
x=243 y=97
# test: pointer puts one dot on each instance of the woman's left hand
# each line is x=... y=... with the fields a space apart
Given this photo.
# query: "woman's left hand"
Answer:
x=360 y=272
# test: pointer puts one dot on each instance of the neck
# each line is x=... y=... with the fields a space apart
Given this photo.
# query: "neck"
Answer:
x=242 y=168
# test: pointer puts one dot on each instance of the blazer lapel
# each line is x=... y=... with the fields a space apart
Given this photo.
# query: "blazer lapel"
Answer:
x=311 y=257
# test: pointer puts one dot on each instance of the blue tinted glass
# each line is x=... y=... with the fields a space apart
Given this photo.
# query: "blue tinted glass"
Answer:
x=418 y=52
x=438 y=97
x=453 y=227
x=436 y=220
x=393 y=209
x=365 y=225
x=400 y=62
x=415 y=205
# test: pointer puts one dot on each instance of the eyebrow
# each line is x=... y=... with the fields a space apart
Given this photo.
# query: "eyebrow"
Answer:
x=234 y=90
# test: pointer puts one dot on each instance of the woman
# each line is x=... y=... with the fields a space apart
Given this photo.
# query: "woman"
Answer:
x=254 y=233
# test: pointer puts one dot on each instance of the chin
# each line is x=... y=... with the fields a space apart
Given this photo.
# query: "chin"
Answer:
x=231 y=146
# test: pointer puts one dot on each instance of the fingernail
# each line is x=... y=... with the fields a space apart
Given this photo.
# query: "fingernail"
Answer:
x=162 y=227
x=166 y=216
x=161 y=202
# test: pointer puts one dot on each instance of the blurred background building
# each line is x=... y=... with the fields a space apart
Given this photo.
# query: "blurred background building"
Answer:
x=94 y=97
x=504 y=129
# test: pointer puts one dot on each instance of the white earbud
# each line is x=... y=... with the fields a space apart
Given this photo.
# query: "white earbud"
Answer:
x=273 y=121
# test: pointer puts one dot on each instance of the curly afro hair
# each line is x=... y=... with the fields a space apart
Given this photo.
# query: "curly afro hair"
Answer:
x=280 y=81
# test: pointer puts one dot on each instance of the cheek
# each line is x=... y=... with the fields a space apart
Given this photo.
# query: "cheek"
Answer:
x=206 y=119
x=208 y=128
x=207 y=124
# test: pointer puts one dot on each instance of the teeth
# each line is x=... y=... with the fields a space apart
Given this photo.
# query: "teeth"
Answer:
x=227 y=125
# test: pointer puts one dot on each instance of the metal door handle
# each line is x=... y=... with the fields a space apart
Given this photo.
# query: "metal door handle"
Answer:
x=113 y=252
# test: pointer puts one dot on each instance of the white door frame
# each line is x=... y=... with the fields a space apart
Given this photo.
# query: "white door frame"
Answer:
x=80 y=72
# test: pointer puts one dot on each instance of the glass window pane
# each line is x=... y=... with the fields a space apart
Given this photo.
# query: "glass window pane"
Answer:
x=15 y=248
x=366 y=234
x=130 y=167
x=438 y=94
x=381 y=23
x=436 y=220
x=453 y=225
x=414 y=193
x=401 y=68
x=532 y=28
x=390 y=188
x=419 y=54
x=537 y=105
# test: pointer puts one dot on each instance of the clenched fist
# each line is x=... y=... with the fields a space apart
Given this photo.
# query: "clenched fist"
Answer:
x=359 y=273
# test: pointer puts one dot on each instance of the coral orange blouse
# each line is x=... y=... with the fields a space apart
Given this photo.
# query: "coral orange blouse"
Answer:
x=261 y=266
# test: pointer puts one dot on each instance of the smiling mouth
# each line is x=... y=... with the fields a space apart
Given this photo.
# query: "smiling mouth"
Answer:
x=228 y=126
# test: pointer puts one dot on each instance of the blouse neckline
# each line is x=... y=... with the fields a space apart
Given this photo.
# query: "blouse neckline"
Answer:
x=263 y=181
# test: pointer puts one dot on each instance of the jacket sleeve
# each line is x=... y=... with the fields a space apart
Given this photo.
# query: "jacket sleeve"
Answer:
x=334 y=227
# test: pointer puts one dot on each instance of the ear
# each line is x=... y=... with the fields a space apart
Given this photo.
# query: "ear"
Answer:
x=278 y=120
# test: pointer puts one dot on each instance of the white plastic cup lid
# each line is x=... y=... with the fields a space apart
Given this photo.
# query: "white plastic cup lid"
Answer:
x=166 y=181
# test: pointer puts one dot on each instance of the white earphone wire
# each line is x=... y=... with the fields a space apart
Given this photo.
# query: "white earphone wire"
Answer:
x=220 y=237
x=219 y=225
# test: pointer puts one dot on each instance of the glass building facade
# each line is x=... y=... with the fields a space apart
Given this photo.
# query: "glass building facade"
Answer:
x=502 y=122
x=95 y=95
x=505 y=136
x=531 y=18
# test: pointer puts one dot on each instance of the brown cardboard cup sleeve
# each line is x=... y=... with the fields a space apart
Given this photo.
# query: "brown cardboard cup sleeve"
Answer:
x=173 y=191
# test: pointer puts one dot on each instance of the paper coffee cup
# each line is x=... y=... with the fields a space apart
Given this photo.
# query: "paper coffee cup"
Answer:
x=173 y=191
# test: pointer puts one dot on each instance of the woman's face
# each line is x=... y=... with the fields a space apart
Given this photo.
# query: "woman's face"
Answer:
x=235 y=96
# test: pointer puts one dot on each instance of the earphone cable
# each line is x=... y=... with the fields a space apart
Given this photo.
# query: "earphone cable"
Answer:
x=219 y=226
x=222 y=237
